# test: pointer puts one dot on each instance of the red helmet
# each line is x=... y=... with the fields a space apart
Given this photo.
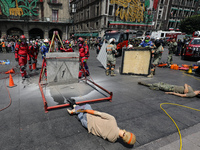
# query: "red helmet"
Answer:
x=80 y=39
x=67 y=42
x=22 y=37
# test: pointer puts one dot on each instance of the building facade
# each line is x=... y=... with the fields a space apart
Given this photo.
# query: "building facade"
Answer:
x=34 y=18
x=171 y=12
x=94 y=17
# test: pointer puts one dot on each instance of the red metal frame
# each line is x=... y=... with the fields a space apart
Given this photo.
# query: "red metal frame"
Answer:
x=47 y=108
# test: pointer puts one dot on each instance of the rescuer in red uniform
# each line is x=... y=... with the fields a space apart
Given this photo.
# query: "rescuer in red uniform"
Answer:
x=67 y=47
x=31 y=56
x=36 y=48
x=84 y=55
x=21 y=50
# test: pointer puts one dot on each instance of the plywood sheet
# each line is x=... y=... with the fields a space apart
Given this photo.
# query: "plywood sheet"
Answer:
x=136 y=62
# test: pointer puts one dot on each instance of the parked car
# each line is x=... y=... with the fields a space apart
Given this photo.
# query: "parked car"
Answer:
x=192 y=49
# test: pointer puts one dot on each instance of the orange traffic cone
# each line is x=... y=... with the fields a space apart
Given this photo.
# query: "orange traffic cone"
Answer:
x=11 y=83
x=34 y=66
x=10 y=71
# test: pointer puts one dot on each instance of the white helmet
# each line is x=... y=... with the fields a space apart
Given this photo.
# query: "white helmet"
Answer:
x=130 y=46
x=46 y=41
x=111 y=40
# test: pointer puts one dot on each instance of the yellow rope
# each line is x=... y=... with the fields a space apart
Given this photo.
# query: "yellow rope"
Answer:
x=191 y=76
x=173 y=119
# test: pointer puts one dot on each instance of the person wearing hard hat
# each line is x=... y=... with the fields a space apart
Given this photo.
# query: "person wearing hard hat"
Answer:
x=172 y=49
x=45 y=49
x=84 y=55
x=101 y=124
x=21 y=50
x=146 y=42
x=111 y=60
x=156 y=54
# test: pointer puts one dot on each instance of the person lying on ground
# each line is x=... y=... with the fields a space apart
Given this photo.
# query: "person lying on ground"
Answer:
x=101 y=124
x=182 y=91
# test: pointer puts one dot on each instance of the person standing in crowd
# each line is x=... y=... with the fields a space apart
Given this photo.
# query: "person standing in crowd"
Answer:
x=12 y=46
x=0 y=46
x=3 y=46
x=172 y=49
x=36 y=52
x=21 y=50
x=111 y=60
x=44 y=50
x=179 y=47
x=146 y=42
x=31 y=57
x=84 y=55
x=9 y=47
x=6 y=43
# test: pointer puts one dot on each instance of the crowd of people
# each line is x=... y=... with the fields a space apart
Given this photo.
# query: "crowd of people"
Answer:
x=34 y=46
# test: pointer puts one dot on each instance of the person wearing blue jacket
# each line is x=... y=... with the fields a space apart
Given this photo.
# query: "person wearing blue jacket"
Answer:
x=146 y=42
x=45 y=49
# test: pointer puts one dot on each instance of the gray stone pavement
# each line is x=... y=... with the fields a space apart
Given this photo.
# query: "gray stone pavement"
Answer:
x=25 y=125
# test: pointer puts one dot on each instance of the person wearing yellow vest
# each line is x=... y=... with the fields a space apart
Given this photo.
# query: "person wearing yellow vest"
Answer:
x=111 y=60
x=101 y=124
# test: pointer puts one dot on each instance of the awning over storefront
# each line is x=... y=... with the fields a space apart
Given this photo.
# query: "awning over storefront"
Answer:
x=87 y=34
x=130 y=23
x=174 y=8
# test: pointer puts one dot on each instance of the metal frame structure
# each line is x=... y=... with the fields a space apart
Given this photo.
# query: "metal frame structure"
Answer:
x=47 y=108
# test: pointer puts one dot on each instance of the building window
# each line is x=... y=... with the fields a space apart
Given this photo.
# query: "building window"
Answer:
x=106 y=10
x=87 y=25
x=97 y=9
x=88 y=14
x=110 y=10
x=81 y=17
x=162 y=1
x=97 y=24
x=54 y=15
x=54 y=1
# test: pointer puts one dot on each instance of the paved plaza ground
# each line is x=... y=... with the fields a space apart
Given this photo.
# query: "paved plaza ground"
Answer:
x=25 y=125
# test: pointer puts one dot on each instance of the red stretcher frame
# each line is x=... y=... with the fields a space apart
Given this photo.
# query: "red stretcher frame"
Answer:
x=48 y=108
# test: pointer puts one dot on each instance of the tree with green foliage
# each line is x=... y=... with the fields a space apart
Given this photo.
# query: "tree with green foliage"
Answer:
x=190 y=24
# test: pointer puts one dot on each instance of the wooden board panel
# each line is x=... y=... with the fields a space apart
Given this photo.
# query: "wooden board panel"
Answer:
x=136 y=62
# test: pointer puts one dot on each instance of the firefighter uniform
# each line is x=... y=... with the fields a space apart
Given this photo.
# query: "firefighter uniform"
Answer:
x=31 y=57
x=84 y=55
x=21 y=50
x=111 y=60
x=172 y=48
x=158 y=55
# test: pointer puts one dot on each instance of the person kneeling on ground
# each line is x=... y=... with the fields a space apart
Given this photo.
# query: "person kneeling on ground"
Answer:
x=101 y=124
x=182 y=91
